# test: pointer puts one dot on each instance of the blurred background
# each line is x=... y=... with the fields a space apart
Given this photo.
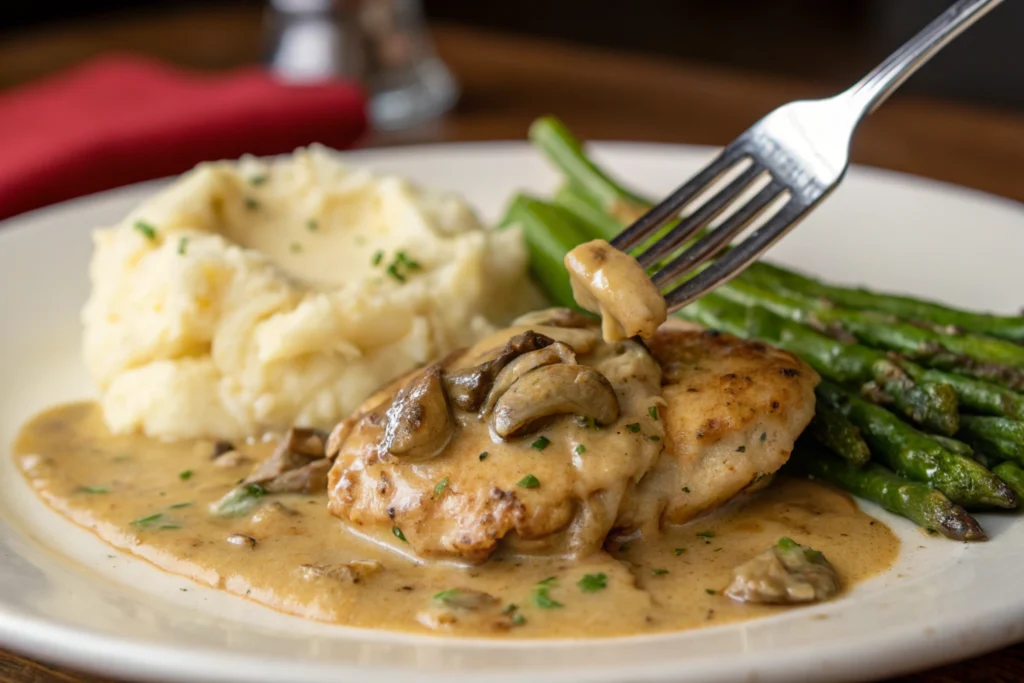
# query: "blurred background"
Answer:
x=692 y=71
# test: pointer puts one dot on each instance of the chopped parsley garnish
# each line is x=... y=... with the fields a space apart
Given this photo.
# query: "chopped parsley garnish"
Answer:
x=178 y=506
x=709 y=591
x=93 y=489
x=147 y=521
x=170 y=526
x=659 y=572
x=550 y=581
x=654 y=437
x=581 y=449
x=764 y=436
x=401 y=266
x=679 y=551
x=239 y=501
x=147 y=230
x=446 y=596
x=543 y=599
x=378 y=256
x=483 y=456
x=686 y=489
x=182 y=246
x=258 y=180
x=518 y=619
x=741 y=449
x=591 y=583
x=251 y=204
x=706 y=534
x=312 y=225
x=718 y=550
x=295 y=247
x=758 y=477
x=541 y=443
x=624 y=547
x=586 y=422
x=398 y=534
x=633 y=427
x=185 y=475
x=441 y=486
x=653 y=412
x=510 y=608
x=528 y=482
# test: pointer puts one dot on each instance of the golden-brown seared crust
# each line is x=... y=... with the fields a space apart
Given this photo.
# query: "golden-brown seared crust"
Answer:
x=734 y=409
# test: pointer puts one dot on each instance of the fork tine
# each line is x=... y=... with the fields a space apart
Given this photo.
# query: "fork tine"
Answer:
x=741 y=256
x=714 y=241
x=704 y=214
x=647 y=224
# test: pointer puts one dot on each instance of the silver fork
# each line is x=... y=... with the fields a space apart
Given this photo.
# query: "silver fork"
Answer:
x=777 y=171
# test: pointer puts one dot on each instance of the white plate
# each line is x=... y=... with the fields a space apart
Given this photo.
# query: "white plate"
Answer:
x=66 y=597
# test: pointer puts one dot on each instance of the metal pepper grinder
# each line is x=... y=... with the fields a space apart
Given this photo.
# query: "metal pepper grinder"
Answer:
x=382 y=43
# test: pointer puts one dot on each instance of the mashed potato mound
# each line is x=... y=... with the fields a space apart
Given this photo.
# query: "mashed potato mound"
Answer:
x=251 y=296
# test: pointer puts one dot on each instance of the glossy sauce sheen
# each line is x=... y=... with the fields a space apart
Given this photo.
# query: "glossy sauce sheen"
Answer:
x=668 y=583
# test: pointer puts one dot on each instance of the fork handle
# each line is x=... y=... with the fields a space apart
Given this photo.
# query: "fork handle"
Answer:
x=874 y=89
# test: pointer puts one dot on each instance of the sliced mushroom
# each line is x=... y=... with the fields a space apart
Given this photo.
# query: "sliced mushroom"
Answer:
x=787 y=573
x=420 y=422
x=467 y=388
x=338 y=435
x=549 y=355
x=555 y=390
x=242 y=541
x=558 y=317
x=472 y=608
x=311 y=478
x=297 y=449
x=348 y=572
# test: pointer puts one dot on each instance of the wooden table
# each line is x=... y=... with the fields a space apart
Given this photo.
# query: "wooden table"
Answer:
x=508 y=81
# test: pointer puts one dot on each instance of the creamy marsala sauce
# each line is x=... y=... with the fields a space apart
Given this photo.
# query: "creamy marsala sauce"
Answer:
x=153 y=499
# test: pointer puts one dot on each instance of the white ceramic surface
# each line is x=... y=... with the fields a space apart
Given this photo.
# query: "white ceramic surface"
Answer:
x=66 y=597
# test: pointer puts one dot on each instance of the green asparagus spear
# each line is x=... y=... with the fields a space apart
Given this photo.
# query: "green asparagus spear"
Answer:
x=566 y=152
x=994 y=436
x=913 y=454
x=931 y=405
x=839 y=435
x=985 y=357
x=550 y=233
x=1012 y=474
x=954 y=446
x=599 y=222
x=917 y=502
x=974 y=394
x=908 y=308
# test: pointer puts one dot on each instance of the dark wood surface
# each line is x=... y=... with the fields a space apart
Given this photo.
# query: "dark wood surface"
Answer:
x=508 y=81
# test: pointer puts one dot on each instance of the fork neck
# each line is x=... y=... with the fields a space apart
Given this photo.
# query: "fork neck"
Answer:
x=875 y=88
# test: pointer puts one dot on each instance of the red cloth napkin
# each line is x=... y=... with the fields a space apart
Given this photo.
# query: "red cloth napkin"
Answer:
x=119 y=120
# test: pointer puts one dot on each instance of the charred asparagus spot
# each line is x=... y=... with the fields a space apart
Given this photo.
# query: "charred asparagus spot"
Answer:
x=913 y=454
x=974 y=394
x=917 y=502
x=839 y=435
x=1012 y=474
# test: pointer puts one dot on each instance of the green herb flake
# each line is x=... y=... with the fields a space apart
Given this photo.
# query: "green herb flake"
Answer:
x=706 y=534
x=93 y=489
x=378 y=256
x=679 y=551
x=634 y=427
x=654 y=437
x=239 y=501
x=446 y=596
x=653 y=412
x=591 y=583
x=312 y=225
x=541 y=443
x=686 y=489
x=624 y=548
x=581 y=449
x=178 y=506
x=295 y=247
x=659 y=572
x=518 y=619
x=787 y=543
x=258 y=180
x=441 y=486
x=398 y=534
x=182 y=246
x=169 y=526
x=709 y=591
x=528 y=482
x=393 y=271
x=185 y=475
x=543 y=599
x=483 y=456
x=510 y=608
x=764 y=436
x=251 y=204
x=147 y=230
x=741 y=449
x=147 y=521
x=718 y=550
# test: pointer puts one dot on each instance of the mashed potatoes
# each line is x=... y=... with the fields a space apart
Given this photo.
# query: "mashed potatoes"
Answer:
x=251 y=296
